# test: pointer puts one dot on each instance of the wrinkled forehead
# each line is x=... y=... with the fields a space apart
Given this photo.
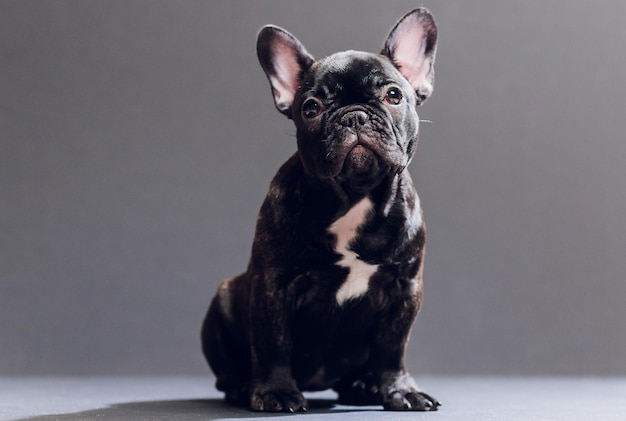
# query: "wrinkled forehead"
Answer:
x=353 y=71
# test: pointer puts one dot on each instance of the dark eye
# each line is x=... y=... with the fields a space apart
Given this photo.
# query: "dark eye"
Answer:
x=311 y=108
x=393 y=96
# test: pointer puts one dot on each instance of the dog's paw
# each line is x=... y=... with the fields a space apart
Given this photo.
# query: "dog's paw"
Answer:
x=402 y=394
x=268 y=398
x=360 y=392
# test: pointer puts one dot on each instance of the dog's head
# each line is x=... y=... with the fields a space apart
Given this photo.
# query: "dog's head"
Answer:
x=355 y=112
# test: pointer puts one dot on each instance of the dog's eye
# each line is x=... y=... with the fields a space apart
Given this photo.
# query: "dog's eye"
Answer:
x=311 y=108
x=393 y=96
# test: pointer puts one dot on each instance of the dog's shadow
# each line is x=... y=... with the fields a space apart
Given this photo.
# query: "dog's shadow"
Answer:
x=188 y=410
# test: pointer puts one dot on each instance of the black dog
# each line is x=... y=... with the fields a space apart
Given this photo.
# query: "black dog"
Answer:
x=335 y=278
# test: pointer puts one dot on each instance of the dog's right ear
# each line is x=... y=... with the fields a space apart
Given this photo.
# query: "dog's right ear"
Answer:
x=284 y=60
x=411 y=47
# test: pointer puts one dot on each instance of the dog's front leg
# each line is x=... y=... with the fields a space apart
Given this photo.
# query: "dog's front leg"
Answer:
x=398 y=390
x=272 y=386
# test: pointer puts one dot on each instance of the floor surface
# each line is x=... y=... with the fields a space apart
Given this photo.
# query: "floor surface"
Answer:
x=195 y=398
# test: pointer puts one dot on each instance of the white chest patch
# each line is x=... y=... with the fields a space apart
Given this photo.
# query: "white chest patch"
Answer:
x=345 y=229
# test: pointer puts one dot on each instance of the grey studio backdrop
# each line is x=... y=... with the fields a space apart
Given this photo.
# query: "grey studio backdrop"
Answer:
x=138 y=138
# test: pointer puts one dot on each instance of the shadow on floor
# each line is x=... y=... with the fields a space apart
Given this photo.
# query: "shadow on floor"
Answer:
x=187 y=410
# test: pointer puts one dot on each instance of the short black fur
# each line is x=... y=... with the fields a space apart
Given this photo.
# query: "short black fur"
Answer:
x=308 y=313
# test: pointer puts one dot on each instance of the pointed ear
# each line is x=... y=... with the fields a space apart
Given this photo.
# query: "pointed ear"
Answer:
x=411 y=46
x=284 y=60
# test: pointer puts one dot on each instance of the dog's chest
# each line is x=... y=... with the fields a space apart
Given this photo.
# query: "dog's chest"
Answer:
x=346 y=229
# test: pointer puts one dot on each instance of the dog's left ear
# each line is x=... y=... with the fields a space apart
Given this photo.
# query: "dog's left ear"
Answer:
x=411 y=46
x=284 y=60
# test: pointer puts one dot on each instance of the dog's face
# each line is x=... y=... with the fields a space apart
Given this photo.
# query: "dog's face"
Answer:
x=355 y=112
x=356 y=119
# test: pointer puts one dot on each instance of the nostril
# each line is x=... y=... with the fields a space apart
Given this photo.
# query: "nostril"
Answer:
x=361 y=117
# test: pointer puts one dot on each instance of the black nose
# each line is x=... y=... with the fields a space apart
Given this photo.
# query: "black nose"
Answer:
x=354 y=119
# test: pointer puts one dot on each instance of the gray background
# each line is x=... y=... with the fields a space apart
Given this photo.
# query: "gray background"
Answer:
x=137 y=140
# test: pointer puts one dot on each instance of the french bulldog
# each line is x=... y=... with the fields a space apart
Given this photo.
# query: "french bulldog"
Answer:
x=334 y=281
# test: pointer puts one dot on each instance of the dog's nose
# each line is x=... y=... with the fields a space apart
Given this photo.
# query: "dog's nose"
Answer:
x=354 y=119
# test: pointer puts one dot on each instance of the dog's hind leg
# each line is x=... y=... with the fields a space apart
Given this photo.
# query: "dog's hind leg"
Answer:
x=225 y=346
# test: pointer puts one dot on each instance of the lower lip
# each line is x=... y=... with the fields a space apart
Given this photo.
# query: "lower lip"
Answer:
x=360 y=157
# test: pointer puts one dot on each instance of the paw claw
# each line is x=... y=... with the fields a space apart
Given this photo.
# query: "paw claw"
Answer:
x=411 y=400
x=281 y=400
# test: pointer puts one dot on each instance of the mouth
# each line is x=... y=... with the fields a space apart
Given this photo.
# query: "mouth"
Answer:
x=361 y=159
